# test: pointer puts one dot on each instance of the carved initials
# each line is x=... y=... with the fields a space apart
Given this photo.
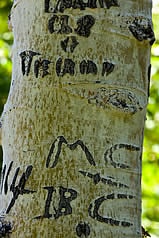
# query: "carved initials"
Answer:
x=64 y=207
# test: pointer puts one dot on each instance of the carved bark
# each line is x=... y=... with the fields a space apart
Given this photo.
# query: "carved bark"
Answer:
x=72 y=128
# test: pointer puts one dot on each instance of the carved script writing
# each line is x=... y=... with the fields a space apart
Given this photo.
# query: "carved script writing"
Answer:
x=61 y=5
x=63 y=66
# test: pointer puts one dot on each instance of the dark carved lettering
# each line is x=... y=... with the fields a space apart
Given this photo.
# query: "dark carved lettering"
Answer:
x=41 y=64
x=59 y=24
x=61 y=140
x=64 y=203
x=2 y=177
x=27 y=57
x=47 y=203
x=93 y=210
x=84 y=25
x=64 y=44
x=68 y=67
x=82 y=229
x=6 y=180
x=125 y=224
x=36 y=68
x=101 y=2
x=149 y=77
x=107 y=68
x=45 y=66
x=12 y=186
x=61 y=5
x=97 y=178
x=26 y=60
x=20 y=188
x=58 y=66
x=65 y=29
x=88 y=67
x=74 y=43
x=108 y=3
x=68 y=46
x=108 y=155
x=79 y=4
x=47 y=5
x=92 y=4
x=51 y=23
x=94 y=214
x=64 y=207
x=124 y=196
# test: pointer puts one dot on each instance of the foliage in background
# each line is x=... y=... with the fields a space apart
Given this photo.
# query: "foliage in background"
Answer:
x=6 y=40
x=150 y=178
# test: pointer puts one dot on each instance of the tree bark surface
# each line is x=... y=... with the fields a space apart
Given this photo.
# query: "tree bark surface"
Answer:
x=72 y=128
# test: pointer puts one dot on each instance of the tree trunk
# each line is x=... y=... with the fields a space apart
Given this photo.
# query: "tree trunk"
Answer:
x=72 y=128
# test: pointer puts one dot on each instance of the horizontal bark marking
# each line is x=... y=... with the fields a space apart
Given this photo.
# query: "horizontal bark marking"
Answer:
x=97 y=178
x=119 y=99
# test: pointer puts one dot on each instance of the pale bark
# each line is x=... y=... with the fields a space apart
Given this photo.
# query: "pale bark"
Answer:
x=72 y=128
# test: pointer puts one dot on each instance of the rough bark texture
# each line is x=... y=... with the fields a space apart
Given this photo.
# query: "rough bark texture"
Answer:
x=72 y=128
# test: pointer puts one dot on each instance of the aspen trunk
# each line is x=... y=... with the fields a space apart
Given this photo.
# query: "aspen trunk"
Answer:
x=72 y=128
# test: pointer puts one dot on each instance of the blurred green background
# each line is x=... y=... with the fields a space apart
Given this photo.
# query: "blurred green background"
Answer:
x=150 y=177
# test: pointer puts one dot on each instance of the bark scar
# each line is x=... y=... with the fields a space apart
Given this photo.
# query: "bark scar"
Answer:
x=142 y=29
